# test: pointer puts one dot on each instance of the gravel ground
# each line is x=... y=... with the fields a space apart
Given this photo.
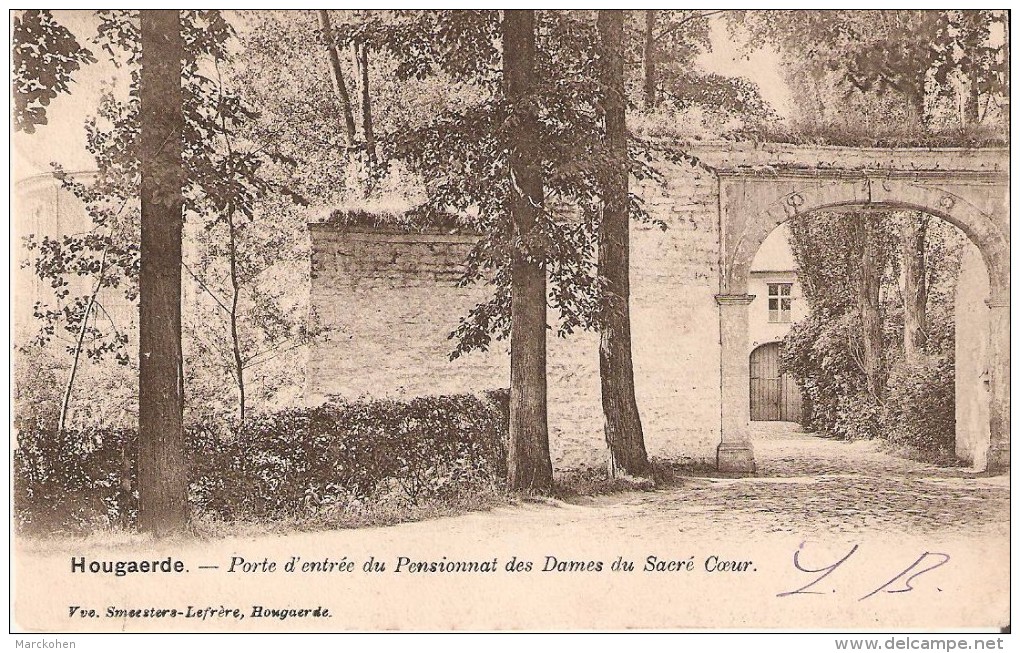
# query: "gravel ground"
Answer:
x=839 y=486
x=823 y=498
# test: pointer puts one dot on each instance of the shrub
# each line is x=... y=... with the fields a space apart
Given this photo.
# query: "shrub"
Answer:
x=76 y=480
x=882 y=134
x=37 y=387
x=858 y=417
x=920 y=407
x=275 y=466
x=820 y=353
x=406 y=220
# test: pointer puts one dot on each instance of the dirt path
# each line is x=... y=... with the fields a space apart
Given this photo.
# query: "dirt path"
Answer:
x=813 y=497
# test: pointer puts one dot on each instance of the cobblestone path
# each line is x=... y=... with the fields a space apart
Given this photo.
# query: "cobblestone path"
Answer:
x=807 y=482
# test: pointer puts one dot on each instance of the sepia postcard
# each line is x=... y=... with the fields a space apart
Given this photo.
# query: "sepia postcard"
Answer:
x=665 y=320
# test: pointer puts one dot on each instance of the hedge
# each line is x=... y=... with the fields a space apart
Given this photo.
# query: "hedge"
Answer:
x=273 y=466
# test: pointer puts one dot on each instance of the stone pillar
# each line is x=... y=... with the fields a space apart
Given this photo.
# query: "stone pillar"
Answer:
x=998 y=368
x=735 y=454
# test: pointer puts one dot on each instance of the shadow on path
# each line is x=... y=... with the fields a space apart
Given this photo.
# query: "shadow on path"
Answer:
x=807 y=486
x=807 y=482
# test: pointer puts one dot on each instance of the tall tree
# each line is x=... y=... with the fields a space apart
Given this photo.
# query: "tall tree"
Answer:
x=616 y=366
x=913 y=57
x=79 y=344
x=671 y=41
x=337 y=75
x=241 y=241
x=983 y=63
x=529 y=465
x=360 y=51
x=842 y=259
x=913 y=239
x=162 y=474
x=868 y=281
x=650 y=81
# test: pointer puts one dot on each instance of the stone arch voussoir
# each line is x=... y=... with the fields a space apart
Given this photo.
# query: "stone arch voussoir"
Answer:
x=947 y=204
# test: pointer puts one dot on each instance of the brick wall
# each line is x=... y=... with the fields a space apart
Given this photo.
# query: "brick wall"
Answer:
x=674 y=277
x=391 y=300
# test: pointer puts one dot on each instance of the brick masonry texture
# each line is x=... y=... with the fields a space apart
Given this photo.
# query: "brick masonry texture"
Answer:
x=391 y=300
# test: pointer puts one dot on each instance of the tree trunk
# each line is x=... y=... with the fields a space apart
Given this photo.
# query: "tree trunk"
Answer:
x=869 y=283
x=529 y=466
x=235 y=341
x=125 y=496
x=366 y=106
x=817 y=74
x=337 y=77
x=616 y=368
x=235 y=286
x=973 y=107
x=65 y=403
x=651 y=80
x=162 y=475
x=1005 y=57
x=918 y=99
x=915 y=288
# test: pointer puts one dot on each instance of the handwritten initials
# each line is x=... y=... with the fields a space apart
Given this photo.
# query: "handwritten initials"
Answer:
x=827 y=570
x=902 y=582
x=907 y=587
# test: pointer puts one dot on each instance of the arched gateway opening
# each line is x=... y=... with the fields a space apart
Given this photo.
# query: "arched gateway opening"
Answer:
x=969 y=192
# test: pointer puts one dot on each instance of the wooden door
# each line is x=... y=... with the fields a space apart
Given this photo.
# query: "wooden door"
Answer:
x=775 y=397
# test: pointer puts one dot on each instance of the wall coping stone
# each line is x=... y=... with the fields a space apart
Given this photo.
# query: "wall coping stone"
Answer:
x=385 y=234
x=779 y=148
x=717 y=156
x=329 y=227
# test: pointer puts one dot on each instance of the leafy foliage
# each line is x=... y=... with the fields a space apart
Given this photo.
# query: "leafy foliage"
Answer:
x=235 y=197
x=727 y=95
x=286 y=73
x=825 y=352
x=443 y=132
x=405 y=221
x=45 y=55
x=875 y=132
x=290 y=464
x=35 y=388
x=74 y=480
x=869 y=69
x=827 y=248
x=462 y=155
x=920 y=408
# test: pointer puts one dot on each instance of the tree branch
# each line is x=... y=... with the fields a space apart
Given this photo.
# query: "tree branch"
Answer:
x=676 y=27
x=205 y=288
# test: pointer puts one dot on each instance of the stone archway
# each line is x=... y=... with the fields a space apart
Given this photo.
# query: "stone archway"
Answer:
x=972 y=194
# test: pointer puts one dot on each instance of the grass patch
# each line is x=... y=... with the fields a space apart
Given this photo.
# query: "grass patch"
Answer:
x=592 y=481
x=585 y=482
x=384 y=510
x=573 y=485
